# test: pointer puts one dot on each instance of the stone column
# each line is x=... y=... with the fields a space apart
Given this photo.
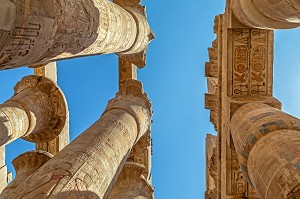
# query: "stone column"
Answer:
x=25 y=165
x=268 y=14
x=57 y=144
x=36 y=112
x=267 y=142
x=89 y=166
x=131 y=184
x=38 y=32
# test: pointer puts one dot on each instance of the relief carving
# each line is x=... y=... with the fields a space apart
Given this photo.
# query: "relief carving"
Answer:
x=251 y=61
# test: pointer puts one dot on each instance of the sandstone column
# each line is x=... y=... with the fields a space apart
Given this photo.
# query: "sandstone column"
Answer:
x=131 y=184
x=37 y=32
x=268 y=14
x=89 y=166
x=267 y=142
x=36 y=112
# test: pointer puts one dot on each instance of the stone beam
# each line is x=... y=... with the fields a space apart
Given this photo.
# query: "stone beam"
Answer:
x=36 y=112
x=39 y=32
x=25 y=165
x=89 y=165
x=5 y=176
x=127 y=71
x=267 y=14
x=57 y=144
x=131 y=184
x=268 y=147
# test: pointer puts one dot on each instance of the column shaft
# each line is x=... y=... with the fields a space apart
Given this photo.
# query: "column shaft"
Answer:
x=268 y=148
x=89 y=166
x=268 y=14
x=36 y=32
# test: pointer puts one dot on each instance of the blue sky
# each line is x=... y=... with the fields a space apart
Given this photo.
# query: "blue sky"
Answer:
x=175 y=83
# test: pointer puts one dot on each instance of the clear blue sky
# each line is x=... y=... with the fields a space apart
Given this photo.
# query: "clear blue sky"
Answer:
x=174 y=80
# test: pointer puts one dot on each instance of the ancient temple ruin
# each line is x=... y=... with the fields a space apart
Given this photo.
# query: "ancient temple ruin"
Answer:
x=257 y=148
x=112 y=158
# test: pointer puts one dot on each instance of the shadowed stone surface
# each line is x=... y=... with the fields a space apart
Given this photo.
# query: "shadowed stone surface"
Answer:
x=267 y=142
x=131 y=184
x=25 y=165
x=36 y=112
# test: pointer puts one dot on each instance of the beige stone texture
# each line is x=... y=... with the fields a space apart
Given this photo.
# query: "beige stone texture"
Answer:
x=267 y=143
x=40 y=32
x=36 y=112
x=132 y=184
x=57 y=144
x=50 y=31
x=211 y=166
x=25 y=165
x=268 y=14
x=89 y=165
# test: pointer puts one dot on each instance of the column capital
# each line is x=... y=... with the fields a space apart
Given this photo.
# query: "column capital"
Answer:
x=25 y=165
x=45 y=106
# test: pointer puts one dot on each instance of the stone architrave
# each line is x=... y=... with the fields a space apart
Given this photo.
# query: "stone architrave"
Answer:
x=267 y=142
x=89 y=165
x=38 y=32
x=267 y=14
x=132 y=184
x=57 y=144
x=36 y=112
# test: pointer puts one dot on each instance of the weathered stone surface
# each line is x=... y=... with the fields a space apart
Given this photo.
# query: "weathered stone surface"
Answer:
x=267 y=143
x=63 y=139
x=36 y=112
x=268 y=14
x=25 y=165
x=39 y=32
x=131 y=184
x=89 y=165
x=211 y=167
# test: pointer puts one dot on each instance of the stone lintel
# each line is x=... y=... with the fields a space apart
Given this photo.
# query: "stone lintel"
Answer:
x=50 y=71
x=127 y=71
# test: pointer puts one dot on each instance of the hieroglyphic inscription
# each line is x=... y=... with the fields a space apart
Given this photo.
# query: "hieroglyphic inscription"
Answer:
x=237 y=185
x=250 y=61
x=44 y=31
x=23 y=39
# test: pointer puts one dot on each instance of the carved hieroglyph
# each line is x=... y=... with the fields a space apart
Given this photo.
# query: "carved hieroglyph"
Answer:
x=89 y=165
x=250 y=68
x=36 y=112
x=268 y=148
x=268 y=14
x=37 y=32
